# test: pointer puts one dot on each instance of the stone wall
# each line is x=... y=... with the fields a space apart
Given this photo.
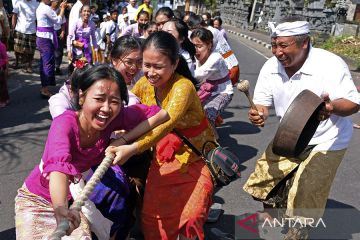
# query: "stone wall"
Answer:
x=237 y=12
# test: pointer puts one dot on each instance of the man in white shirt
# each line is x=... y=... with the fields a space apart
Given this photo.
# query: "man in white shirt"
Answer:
x=302 y=184
x=24 y=24
x=132 y=9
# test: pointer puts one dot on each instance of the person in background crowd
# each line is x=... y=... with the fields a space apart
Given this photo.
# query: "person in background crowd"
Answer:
x=4 y=94
x=93 y=9
x=151 y=27
x=24 y=24
x=167 y=81
x=47 y=42
x=120 y=19
x=124 y=23
x=178 y=14
x=180 y=30
x=120 y=5
x=222 y=46
x=76 y=142
x=132 y=9
x=163 y=15
x=302 y=184
x=74 y=15
x=105 y=19
x=207 y=18
x=145 y=6
x=217 y=22
x=99 y=35
x=60 y=32
x=111 y=32
x=216 y=89
x=187 y=16
x=137 y=29
x=4 y=25
x=79 y=38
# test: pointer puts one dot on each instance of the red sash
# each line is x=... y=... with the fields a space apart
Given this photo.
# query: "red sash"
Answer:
x=171 y=143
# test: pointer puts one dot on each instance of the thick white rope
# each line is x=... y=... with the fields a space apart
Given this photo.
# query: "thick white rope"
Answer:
x=63 y=226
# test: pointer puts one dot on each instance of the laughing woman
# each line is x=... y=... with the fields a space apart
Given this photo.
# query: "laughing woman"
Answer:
x=76 y=142
x=179 y=186
x=79 y=38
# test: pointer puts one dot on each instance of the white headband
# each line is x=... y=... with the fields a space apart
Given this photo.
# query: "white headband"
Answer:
x=289 y=28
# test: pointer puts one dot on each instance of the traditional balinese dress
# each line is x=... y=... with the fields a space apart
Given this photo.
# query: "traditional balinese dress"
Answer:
x=179 y=186
x=85 y=35
x=216 y=90
x=47 y=42
x=34 y=217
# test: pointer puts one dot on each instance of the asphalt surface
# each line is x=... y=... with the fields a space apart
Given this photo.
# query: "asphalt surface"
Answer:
x=24 y=124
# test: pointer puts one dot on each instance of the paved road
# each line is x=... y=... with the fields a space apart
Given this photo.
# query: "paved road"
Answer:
x=24 y=125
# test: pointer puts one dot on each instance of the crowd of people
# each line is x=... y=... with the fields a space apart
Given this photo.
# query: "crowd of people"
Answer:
x=134 y=78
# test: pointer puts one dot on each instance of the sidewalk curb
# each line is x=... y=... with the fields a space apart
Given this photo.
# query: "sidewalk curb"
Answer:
x=264 y=44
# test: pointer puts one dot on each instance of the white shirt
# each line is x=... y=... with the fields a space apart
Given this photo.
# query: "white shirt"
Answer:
x=110 y=27
x=186 y=55
x=131 y=11
x=57 y=26
x=26 y=16
x=322 y=72
x=46 y=17
x=214 y=69
x=100 y=38
x=223 y=47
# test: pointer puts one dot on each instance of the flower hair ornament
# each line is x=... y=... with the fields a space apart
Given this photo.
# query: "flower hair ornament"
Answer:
x=80 y=63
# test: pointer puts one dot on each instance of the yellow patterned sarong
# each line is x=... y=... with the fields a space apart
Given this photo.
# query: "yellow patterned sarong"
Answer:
x=311 y=184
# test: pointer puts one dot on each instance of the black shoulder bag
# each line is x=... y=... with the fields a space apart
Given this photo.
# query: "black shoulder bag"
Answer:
x=223 y=164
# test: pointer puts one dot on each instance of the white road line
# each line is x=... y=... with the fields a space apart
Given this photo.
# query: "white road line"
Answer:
x=17 y=88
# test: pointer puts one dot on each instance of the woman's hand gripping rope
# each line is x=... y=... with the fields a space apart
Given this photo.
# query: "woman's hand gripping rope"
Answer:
x=64 y=227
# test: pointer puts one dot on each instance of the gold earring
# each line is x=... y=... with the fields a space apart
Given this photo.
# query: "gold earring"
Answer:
x=81 y=101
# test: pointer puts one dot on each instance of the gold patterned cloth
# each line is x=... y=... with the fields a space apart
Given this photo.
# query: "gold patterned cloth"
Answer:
x=34 y=218
x=185 y=110
x=311 y=184
x=178 y=192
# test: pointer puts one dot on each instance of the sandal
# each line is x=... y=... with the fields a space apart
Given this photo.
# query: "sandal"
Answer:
x=45 y=94
x=357 y=126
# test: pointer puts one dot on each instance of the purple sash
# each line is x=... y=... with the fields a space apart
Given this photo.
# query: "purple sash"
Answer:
x=50 y=30
x=210 y=86
x=86 y=48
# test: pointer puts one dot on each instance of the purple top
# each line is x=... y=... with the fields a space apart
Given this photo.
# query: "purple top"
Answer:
x=63 y=152
x=132 y=30
x=78 y=32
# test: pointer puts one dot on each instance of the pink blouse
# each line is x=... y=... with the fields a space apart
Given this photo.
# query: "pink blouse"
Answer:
x=63 y=152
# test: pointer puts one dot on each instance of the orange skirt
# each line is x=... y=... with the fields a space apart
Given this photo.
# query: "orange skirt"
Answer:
x=176 y=202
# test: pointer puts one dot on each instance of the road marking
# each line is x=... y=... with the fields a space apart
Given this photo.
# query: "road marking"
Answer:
x=17 y=88
x=244 y=43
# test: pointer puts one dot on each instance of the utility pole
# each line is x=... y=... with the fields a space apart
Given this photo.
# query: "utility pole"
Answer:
x=253 y=11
